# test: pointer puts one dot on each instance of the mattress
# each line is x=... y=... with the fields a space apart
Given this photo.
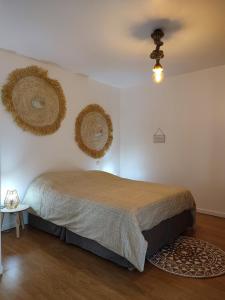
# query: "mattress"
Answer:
x=108 y=209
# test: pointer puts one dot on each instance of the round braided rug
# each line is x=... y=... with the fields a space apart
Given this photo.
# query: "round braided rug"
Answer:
x=190 y=257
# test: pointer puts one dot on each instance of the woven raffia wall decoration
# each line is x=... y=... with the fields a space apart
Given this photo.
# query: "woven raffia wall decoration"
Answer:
x=36 y=101
x=93 y=131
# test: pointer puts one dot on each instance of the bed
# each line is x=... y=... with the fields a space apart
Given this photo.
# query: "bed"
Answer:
x=122 y=220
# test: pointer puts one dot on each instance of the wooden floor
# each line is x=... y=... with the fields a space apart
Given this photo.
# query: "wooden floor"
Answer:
x=39 y=266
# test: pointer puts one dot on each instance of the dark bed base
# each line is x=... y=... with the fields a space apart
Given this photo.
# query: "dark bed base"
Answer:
x=157 y=237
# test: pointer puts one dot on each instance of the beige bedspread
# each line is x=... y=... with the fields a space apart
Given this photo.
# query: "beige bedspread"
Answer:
x=108 y=209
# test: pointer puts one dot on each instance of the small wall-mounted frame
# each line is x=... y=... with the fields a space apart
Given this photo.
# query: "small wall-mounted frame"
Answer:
x=159 y=137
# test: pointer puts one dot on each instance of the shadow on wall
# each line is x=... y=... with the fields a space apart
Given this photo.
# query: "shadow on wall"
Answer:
x=143 y=30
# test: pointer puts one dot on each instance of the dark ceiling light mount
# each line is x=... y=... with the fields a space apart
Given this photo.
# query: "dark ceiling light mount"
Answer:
x=157 y=54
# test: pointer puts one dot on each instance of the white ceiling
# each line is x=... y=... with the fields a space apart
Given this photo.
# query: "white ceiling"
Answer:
x=109 y=40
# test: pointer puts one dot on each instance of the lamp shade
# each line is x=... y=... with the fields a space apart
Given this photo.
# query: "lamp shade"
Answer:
x=12 y=199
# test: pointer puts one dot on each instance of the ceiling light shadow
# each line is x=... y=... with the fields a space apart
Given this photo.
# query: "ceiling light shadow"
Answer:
x=143 y=31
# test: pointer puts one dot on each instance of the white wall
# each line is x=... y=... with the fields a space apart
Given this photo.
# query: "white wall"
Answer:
x=190 y=109
x=24 y=155
x=1 y=268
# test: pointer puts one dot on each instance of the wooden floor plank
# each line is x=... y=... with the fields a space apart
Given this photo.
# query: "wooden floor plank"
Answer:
x=40 y=266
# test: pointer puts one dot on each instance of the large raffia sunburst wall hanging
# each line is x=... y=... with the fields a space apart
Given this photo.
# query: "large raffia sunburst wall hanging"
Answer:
x=93 y=131
x=36 y=101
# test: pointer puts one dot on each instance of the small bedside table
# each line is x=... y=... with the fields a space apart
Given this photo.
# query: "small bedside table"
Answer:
x=19 y=216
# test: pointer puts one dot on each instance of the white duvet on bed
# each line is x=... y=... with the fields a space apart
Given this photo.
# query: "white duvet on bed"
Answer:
x=111 y=210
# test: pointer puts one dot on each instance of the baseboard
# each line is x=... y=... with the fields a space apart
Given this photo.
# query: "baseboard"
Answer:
x=8 y=226
x=211 y=212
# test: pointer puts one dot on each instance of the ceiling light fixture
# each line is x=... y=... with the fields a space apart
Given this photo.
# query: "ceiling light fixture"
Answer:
x=157 y=54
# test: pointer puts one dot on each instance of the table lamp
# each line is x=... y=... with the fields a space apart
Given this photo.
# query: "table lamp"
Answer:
x=12 y=199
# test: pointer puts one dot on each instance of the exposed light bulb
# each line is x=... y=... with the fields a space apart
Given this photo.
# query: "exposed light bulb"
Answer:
x=157 y=73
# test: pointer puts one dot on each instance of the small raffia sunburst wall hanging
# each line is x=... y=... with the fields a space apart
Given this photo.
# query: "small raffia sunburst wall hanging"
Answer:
x=36 y=102
x=93 y=131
